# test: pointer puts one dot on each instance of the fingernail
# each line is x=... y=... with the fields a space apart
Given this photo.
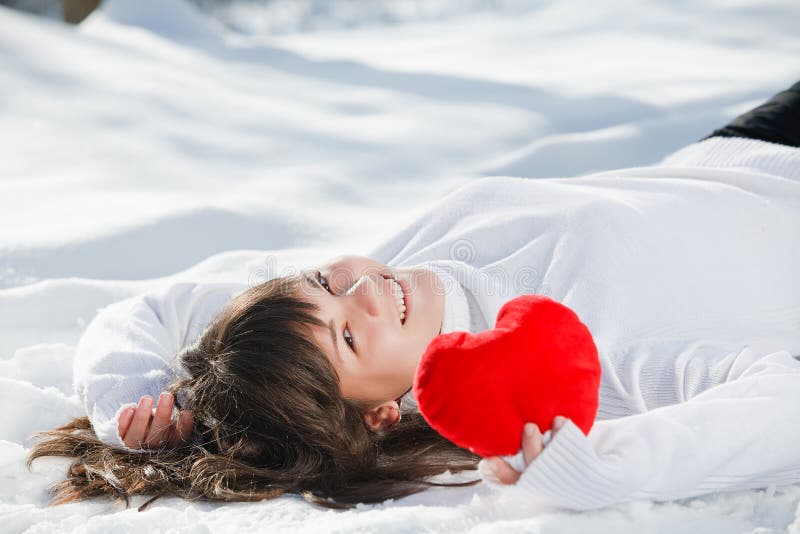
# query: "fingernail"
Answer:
x=559 y=422
x=163 y=398
x=529 y=428
x=144 y=401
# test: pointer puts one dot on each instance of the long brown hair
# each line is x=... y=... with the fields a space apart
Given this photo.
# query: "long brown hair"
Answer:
x=269 y=419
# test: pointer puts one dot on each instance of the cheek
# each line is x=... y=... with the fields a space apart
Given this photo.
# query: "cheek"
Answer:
x=384 y=350
x=380 y=350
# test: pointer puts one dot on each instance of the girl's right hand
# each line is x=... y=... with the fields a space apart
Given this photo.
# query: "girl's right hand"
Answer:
x=141 y=429
x=532 y=446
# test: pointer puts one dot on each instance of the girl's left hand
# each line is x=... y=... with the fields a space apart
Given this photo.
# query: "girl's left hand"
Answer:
x=532 y=446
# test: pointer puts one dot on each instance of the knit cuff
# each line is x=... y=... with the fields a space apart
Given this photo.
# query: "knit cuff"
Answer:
x=566 y=474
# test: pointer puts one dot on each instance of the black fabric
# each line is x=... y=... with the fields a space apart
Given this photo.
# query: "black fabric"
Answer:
x=777 y=120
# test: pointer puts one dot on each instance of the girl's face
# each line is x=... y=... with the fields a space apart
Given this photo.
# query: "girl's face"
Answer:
x=374 y=354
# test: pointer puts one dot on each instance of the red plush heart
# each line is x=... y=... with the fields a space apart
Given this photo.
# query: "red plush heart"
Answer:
x=539 y=361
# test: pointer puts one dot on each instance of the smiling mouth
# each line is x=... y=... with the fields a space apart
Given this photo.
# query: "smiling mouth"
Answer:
x=400 y=299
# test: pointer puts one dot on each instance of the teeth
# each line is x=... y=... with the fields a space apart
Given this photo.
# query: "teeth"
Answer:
x=399 y=298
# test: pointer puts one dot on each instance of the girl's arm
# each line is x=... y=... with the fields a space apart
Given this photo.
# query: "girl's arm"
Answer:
x=741 y=434
x=129 y=348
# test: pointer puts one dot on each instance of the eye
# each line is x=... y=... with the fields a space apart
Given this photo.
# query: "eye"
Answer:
x=349 y=339
x=323 y=282
x=346 y=334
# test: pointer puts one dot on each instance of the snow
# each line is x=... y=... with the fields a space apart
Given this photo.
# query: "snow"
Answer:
x=151 y=144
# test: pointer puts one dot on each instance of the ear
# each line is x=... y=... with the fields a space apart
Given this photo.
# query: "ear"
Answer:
x=383 y=416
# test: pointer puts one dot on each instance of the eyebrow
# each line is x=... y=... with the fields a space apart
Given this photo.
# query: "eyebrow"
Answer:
x=331 y=326
x=334 y=340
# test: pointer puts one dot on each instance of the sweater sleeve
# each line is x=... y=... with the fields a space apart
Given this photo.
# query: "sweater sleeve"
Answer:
x=129 y=348
x=737 y=435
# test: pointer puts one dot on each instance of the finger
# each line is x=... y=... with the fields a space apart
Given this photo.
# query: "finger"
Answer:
x=504 y=472
x=125 y=419
x=531 y=442
x=558 y=423
x=182 y=429
x=159 y=426
x=136 y=432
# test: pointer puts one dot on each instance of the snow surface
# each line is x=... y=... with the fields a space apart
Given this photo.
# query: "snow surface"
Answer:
x=151 y=144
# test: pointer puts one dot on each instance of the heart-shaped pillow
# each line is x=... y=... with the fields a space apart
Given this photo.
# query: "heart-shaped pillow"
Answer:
x=539 y=361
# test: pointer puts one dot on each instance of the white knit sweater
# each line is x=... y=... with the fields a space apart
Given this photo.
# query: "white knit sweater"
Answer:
x=686 y=274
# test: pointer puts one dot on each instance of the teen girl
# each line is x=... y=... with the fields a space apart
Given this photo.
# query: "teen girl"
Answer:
x=685 y=272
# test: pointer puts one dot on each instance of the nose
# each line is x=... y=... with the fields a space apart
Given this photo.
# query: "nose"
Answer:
x=369 y=292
